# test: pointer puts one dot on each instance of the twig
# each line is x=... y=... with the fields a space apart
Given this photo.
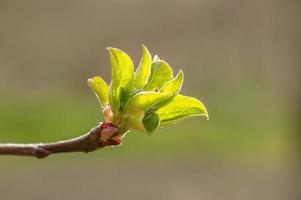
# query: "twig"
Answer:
x=105 y=134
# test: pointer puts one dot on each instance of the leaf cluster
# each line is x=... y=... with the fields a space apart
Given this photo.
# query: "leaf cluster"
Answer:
x=146 y=98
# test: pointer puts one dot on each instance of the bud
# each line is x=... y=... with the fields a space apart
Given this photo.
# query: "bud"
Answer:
x=110 y=135
x=107 y=113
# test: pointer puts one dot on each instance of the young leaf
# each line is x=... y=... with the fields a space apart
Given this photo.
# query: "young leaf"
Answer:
x=151 y=122
x=139 y=111
x=101 y=89
x=148 y=100
x=133 y=119
x=175 y=84
x=122 y=73
x=179 y=108
x=161 y=72
x=144 y=69
x=125 y=94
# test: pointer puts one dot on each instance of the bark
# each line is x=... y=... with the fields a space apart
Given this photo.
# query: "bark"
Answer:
x=105 y=134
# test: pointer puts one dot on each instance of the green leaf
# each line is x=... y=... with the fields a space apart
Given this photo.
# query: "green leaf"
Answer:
x=161 y=72
x=133 y=119
x=148 y=100
x=101 y=89
x=122 y=73
x=139 y=110
x=144 y=69
x=175 y=84
x=179 y=108
x=125 y=94
x=151 y=122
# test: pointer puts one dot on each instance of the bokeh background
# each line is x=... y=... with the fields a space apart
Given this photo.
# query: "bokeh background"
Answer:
x=242 y=58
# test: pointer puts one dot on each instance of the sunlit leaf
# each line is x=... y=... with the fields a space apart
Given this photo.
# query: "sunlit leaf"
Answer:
x=179 y=108
x=101 y=89
x=148 y=100
x=161 y=72
x=174 y=85
x=139 y=111
x=144 y=69
x=122 y=73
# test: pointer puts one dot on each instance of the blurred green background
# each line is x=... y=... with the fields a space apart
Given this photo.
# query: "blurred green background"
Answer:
x=241 y=58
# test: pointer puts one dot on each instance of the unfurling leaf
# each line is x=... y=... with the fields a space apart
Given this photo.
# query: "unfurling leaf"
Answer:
x=122 y=74
x=140 y=110
x=101 y=89
x=161 y=72
x=144 y=69
x=174 y=85
x=148 y=100
x=179 y=108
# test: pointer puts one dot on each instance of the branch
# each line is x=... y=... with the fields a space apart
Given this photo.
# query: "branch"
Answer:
x=105 y=134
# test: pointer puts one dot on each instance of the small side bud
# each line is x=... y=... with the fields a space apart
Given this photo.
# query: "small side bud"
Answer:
x=110 y=135
x=107 y=113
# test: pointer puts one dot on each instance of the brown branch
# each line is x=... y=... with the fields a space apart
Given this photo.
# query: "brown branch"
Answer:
x=105 y=134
